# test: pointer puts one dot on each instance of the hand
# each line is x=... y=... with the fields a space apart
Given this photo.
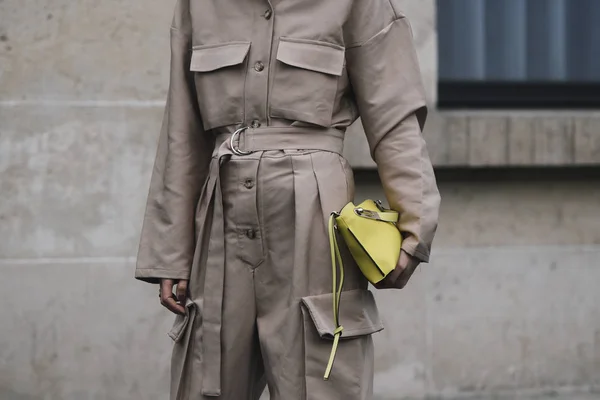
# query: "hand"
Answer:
x=175 y=304
x=399 y=277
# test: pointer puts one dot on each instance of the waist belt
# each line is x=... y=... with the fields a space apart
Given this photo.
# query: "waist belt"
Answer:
x=242 y=142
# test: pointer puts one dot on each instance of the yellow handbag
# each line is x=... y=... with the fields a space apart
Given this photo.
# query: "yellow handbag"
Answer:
x=374 y=241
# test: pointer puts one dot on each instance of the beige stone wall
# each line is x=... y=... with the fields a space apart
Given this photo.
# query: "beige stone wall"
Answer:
x=508 y=305
x=82 y=86
x=57 y=51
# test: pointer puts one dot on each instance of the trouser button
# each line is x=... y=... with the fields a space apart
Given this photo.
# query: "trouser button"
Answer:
x=251 y=233
x=249 y=183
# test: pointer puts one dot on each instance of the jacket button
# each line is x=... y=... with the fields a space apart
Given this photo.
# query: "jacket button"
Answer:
x=251 y=233
x=255 y=124
x=249 y=183
x=268 y=14
x=259 y=66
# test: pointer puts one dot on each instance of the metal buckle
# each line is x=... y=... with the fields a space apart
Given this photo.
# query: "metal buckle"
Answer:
x=235 y=149
x=379 y=205
x=361 y=212
x=335 y=214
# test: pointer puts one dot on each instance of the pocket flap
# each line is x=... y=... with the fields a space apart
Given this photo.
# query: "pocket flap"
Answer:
x=182 y=321
x=312 y=54
x=358 y=313
x=212 y=57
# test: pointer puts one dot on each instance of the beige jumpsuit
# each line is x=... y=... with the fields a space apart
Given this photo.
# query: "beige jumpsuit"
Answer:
x=245 y=221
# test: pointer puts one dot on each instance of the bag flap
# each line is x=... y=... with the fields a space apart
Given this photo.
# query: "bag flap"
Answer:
x=380 y=240
x=312 y=54
x=212 y=57
x=358 y=313
x=182 y=321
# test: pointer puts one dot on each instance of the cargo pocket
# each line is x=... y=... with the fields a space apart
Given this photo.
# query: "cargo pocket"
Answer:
x=352 y=372
x=184 y=338
x=219 y=75
x=306 y=80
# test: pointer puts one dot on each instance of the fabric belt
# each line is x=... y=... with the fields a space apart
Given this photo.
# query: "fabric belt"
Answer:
x=246 y=141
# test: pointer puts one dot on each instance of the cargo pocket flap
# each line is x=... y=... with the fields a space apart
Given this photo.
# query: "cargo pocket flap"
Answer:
x=212 y=57
x=182 y=321
x=358 y=313
x=312 y=54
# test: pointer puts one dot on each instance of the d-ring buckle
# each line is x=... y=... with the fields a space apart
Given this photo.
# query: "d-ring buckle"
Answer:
x=235 y=149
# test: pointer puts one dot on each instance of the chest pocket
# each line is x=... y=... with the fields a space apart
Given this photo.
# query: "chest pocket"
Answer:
x=219 y=74
x=306 y=80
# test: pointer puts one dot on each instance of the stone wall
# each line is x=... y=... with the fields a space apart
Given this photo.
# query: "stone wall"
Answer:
x=508 y=303
x=82 y=86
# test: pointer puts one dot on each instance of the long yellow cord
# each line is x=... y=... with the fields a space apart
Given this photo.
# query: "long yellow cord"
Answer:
x=336 y=258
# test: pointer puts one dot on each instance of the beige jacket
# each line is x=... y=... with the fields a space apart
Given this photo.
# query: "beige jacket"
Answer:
x=287 y=62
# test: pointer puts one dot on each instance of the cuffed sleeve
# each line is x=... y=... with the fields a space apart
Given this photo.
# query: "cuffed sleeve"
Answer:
x=167 y=240
x=386 y=81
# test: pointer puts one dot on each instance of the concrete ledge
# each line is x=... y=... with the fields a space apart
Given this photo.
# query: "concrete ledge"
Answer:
x=501 y=139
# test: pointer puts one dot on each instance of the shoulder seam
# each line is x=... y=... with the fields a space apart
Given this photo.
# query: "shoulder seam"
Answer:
x=364 y=42
x=393 y=9
x=397 y=13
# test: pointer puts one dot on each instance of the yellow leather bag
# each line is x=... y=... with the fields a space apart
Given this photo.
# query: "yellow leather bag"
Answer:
x=374 y=241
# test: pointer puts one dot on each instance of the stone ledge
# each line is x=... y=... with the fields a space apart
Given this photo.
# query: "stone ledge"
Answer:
x=501 y=139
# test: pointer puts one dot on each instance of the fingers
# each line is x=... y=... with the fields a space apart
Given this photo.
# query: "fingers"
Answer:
x=393 y=276
x=399 y=277
x=389 y=281
x=403 y=279
x=171 y=304
x=385 y=284
x=168 y=299
x=182 y=292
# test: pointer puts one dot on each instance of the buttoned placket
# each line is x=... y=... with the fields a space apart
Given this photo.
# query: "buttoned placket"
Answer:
x=257 y=79
x=244 y=171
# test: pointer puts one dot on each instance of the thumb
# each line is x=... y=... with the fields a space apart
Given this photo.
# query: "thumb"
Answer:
x=182 y=286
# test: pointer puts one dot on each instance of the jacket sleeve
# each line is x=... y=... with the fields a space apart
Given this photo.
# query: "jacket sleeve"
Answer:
x=386 y=81
x=167 y=240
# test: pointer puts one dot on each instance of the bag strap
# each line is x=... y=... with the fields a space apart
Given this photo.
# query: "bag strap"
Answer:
x=336 y=258
x=385 y=216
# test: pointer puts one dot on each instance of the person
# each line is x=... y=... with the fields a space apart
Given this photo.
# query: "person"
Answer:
x=248 y=168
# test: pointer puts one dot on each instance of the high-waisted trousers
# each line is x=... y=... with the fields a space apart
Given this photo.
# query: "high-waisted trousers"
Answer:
x=260 y=306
